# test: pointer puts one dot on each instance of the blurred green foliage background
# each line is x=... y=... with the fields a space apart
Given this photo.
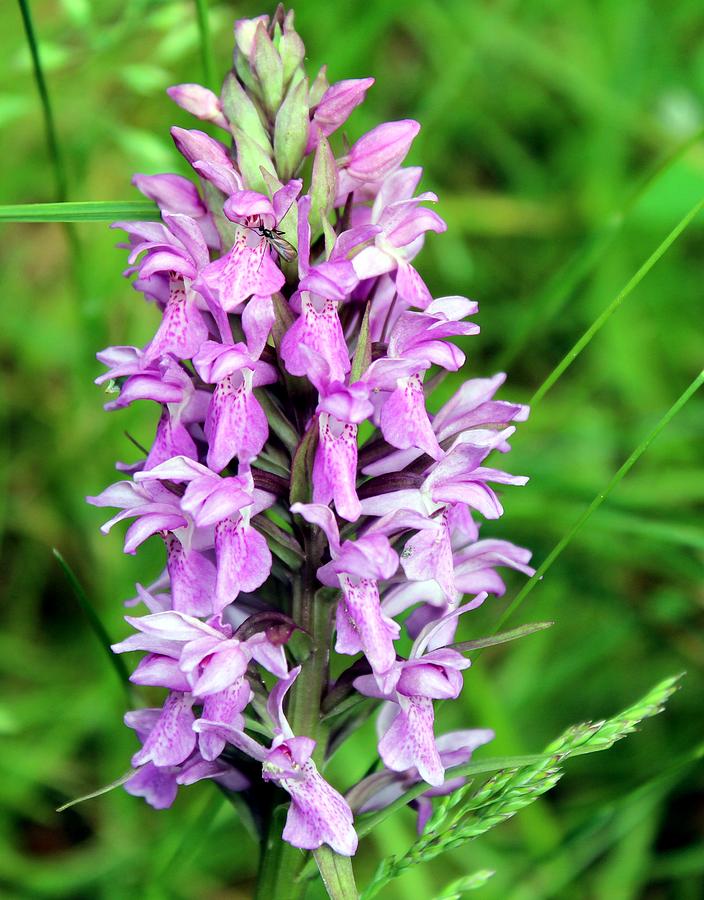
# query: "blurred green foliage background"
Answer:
x=541 y=123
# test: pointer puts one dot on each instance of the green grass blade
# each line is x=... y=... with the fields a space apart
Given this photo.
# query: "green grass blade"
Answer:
x=600 y=498
x=99 y=792
x=602 y=319
x=80 y=211
x=583 y=262
x=504 y=637
x=206 y=46
x=94 y=621
x=49 y=123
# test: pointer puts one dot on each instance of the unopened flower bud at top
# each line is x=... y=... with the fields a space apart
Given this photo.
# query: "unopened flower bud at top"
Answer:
x=199 y=101
x=381 y=150
x=335 y=108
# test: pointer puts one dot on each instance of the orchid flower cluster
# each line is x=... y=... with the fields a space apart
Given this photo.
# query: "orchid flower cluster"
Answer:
x=315 y=516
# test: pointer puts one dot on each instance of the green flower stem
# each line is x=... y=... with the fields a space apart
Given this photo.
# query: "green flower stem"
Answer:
x=336 y=872
x=281 y=863
x=315 y=616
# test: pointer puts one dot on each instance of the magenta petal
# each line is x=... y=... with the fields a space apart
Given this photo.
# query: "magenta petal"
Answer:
x=222 y=669
x=157 y=785
x=320 y=331
x=257 y=318
x=322 y=516
x=410 y=741
x=160 y=671
x=226 y=707
x=428 y=556
x=243 y=560
x=247 y=204
x=347 y=639
x=173 y=193
x=192 y=579
x=209 y=499
x=335 y=106
x=172 y=739
x=411 y=286
x=430 y=680
x=335 y=467
x=381 y=150
x=171 y=439
x=242 y=272
x=404 y=420
x=182 y=329
x=197 y=145
x=318 y=813
x=235 y=424
x=199 y=101
x=376 y=632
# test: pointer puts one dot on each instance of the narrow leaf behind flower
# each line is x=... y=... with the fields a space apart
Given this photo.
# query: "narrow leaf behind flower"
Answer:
x=552 y=298
x=302 y=466
x=99 y=793
x=504 y=637
x=602 y=319
x=80 y=211
x=49 y=124
x=363 y=353
x=94 y=621
x=600 y=498
x=280 y=425
x=54 y=148
x=206 y=45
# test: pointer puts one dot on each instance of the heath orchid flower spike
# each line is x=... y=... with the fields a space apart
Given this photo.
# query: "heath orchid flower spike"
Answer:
x=309 y=503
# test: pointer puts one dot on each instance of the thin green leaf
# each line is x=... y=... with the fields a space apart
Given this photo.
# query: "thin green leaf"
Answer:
x=302 y=465
x=53 y=146
x=574 y=272
x=278 y=422
x=93 y=620
x=80 y=211
x=281 y=544
x=103 y=790
x=49 y=123
x=363 y=354
x=206 y=45
x=602 y=319
x=504 y=637
x=600 y=498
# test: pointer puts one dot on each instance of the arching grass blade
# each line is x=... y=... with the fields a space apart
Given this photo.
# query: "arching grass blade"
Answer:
x=583 y=262
x=206 y=46
x=99 y=629
x=600 y=498
x=49 y=123
x=601 y=320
